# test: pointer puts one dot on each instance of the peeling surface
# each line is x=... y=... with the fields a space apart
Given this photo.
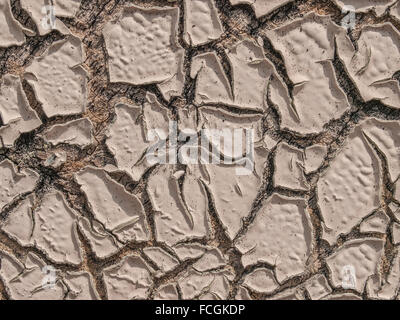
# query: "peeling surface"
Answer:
x=119 y=211
x=251 y=73
x=174 y=220
x=374 y=63
x=77 y=132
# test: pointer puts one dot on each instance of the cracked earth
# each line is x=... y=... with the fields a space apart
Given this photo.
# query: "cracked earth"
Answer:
x=79 y=198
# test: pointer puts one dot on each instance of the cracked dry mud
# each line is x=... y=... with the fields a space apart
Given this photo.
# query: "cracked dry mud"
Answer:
x=78 y=195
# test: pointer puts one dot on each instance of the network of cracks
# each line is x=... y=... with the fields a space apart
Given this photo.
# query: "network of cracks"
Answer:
x=84 y=215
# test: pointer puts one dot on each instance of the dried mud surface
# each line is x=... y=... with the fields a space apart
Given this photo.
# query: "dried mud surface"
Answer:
x=77 y=197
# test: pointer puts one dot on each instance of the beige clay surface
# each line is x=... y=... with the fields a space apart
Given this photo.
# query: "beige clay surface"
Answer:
x=200 y=149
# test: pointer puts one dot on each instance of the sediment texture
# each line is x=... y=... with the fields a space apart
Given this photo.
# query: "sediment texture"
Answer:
x=79 y=103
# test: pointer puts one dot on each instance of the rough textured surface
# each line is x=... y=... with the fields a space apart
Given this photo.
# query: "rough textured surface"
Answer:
x=374 y=63
x=307 y=47
x=202 y=23
x=261 y=7
x=12 y=32
x=311 y=210
x=351 y=184
x=58 y=79
x=279 y=236
x=379 y=6
x=77 y=132
x=363 y=255
x=38 y=10
x=142 y=47
x=15 y=113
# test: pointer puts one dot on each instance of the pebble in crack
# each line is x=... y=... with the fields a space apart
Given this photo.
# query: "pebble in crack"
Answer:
x=261 y=280
x=350 y=188
x=26 y=282
x=17 y=116
x=379 y=6
x=55 y=230
x=251 y=73
x=130 y=279
x=373 y=65
x=142 y=48
x=119 y=211
x=129 y=134
x=58 y=79
x=262 y=7
x=39 y=11
x=233 y=194
x=12 y=33
x=56 y=159
x=280 y=235
x=289 y=168
x=212 y=84
x=202 y=23
x=179 y=215
x=361 y=256
x=307 y=46
x=76 y=132
x=14 y=183
x=377 y=222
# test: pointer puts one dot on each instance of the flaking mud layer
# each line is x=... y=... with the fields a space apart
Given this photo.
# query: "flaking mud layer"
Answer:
x=79 y=201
